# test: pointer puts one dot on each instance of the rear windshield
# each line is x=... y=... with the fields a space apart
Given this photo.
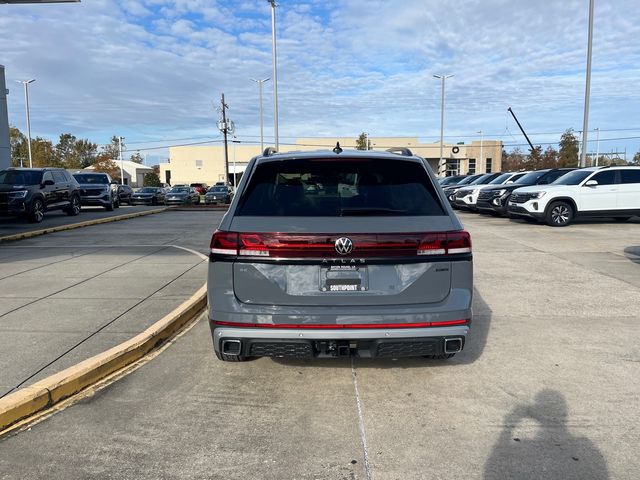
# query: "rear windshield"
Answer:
x=20 y=177
x=220 y=189
x=347 y=187
x=90 y=178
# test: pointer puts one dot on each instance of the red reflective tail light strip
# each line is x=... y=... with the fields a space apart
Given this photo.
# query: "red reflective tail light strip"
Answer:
x=355 y=326
x=286 y=245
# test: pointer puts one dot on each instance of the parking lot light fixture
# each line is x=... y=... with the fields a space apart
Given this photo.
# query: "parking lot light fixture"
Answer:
x=260 y=82
x=442 y=165
x=274 y=60
x=26 y=83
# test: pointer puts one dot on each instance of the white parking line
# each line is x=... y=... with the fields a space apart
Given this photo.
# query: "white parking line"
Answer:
x=363 y=434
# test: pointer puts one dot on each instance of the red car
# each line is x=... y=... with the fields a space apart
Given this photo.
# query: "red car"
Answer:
x=201 y=188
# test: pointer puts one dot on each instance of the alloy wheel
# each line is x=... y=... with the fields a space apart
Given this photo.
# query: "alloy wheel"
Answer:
x=560 y=214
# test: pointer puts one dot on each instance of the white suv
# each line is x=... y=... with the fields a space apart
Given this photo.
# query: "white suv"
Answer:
x=467 y=197
x=588 y=192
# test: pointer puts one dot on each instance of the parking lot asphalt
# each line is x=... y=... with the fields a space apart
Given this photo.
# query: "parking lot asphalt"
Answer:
x=547 y=387
x=74 y=294
x=56 y=218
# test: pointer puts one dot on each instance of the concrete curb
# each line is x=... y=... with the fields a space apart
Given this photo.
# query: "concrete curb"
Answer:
x=88 y=223
x=47 y=392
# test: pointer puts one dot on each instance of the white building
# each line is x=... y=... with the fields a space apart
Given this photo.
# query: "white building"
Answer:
x=133 y=172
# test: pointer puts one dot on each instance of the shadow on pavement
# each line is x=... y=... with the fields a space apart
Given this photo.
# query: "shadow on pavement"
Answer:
x=633 y=254
x=554 y=453
x=474 y=346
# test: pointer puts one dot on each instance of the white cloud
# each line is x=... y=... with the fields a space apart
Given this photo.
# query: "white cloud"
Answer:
x=155 y=68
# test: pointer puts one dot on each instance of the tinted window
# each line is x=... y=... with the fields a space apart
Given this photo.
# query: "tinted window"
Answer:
x=220 y=189
x=179 y=190
x=573 y=178
x=91 y=178
x=531 y=177
x=468 y=180
x=554 y=175
x=346 y=187
x=47 y=176
x=500 y=179
x=148 y=190
x=630 y=176
x=59 y=177
x=605 y=178
x=20 y=177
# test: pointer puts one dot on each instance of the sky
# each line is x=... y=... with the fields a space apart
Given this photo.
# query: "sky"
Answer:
x=153 y=70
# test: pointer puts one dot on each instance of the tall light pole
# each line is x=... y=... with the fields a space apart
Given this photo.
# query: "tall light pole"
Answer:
x=597 y=146
x=442 y=165
x=121 y=168
x=587 y=90
x=260 y=82
x=26 y=83
x=481 y=155
x=275 y=72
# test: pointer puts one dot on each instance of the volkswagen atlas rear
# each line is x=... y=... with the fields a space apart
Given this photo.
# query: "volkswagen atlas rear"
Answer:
x=336 y=254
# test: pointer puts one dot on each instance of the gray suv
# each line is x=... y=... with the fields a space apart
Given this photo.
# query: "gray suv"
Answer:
x=339 y=253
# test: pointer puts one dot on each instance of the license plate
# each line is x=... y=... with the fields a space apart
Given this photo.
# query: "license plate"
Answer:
x=344 y=285
x=343 y=278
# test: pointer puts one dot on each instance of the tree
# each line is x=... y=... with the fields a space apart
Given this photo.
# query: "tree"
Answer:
x=43 y=153
x=112 y=150
x=151 y=180
x=362 y=142
x=106 y=165
x=156 y=169
x=86 y=152
x=569 y=147
x=636 y=158
x=549 y=158
x=18 y=143
x=534 y=159
x=513 y=161
x=136 y=157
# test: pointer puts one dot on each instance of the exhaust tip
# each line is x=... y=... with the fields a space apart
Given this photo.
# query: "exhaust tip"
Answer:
x=231 y=347
x=452 y=345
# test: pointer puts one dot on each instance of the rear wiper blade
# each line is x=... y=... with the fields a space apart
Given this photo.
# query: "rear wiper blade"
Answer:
x=370 y=211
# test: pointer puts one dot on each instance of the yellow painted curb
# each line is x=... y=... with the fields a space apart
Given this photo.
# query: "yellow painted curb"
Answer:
x=51 y=390
x=60 y=228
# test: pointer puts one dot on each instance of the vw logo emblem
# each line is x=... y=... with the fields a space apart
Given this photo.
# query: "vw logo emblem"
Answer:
x=344 y=245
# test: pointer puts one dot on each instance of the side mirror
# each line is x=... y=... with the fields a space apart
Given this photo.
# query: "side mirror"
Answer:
x=47 y=183
x=591 y=183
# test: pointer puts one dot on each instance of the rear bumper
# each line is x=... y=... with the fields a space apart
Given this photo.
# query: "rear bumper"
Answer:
x=365 y=343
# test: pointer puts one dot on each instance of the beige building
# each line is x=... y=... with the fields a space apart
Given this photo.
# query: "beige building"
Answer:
x=206 y=163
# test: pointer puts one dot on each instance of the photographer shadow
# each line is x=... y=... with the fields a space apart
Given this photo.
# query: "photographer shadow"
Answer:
x=553 y=453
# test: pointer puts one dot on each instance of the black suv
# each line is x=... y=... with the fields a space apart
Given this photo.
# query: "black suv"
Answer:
x=494 y=199
x=33 y=191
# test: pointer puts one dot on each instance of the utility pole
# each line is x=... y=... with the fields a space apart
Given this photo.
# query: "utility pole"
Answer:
x=587 y=90
x=442 y=165
x=121 y=168
x=225 y=131
x=275 y=73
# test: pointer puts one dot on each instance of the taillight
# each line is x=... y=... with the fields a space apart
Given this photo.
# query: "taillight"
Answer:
x=458 y=242
x=281 y=245
x=224 y=243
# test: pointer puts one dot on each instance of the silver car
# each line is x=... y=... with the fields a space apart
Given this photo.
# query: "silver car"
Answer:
x=371 y=262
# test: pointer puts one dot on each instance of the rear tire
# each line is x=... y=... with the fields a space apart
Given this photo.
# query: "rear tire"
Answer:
x=36 y=215
x=559 y=214
x=230 y=358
